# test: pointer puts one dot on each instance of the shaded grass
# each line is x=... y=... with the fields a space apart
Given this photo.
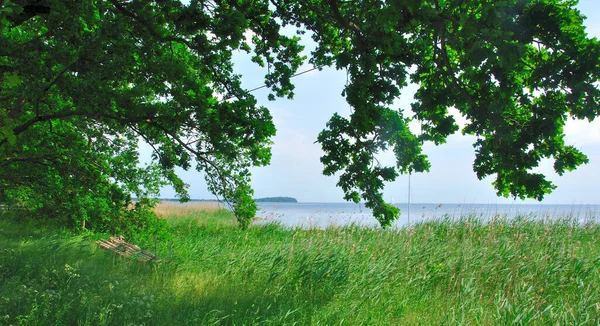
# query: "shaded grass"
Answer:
x=442 y=272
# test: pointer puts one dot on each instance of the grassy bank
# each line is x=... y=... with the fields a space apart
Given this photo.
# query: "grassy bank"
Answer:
x=443 y=272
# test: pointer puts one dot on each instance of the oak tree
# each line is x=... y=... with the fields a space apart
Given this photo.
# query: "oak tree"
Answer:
x=83 y=82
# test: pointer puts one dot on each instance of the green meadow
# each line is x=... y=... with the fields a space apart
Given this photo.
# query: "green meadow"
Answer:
x=442 y=272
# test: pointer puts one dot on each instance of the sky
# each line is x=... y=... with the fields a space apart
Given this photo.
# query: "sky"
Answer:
x=296 y=171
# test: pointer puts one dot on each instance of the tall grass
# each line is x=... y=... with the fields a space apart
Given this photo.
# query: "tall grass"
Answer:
x=442 y=272
x=177 y=209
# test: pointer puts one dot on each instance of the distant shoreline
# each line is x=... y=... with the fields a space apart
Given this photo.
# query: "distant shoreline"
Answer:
x=267 y=200
x=258 y=200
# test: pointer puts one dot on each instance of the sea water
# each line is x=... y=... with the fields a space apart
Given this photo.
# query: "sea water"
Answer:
x=322 y=215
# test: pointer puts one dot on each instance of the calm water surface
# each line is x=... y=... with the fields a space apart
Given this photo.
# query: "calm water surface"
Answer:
x=322 y=215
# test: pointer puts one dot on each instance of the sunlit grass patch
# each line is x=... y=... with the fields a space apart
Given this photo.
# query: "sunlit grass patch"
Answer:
x=461 y=271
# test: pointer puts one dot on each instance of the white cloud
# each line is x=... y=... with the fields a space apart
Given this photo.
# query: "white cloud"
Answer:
x=582 y=132
x=461 y=121
x=248 y=34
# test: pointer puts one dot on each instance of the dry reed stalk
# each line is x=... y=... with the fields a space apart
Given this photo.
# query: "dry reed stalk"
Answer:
x=164 y=209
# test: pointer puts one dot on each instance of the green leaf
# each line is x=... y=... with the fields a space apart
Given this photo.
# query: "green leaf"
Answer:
x=11 y=79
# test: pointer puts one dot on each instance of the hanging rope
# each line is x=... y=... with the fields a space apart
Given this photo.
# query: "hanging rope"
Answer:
x=263 y=86
x=409 y=173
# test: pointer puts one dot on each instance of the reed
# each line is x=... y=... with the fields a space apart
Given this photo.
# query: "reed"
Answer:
x=449 y=271
x=170 y=209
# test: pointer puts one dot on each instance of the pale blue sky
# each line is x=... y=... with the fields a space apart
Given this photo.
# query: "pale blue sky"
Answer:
x=295 y=168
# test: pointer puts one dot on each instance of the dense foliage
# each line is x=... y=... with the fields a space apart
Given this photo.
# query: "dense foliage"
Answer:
x=84 y=81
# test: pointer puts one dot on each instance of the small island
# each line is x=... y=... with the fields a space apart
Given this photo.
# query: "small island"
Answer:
x=276 y=200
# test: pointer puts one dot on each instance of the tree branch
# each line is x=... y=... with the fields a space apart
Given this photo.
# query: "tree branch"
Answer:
x=450 y=73
x=30 y=10
x=60 y=74
x=67 y=114
x=148 y=27
x=335 y=10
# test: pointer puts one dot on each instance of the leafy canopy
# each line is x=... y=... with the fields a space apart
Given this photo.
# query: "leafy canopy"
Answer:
x=84 y=81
